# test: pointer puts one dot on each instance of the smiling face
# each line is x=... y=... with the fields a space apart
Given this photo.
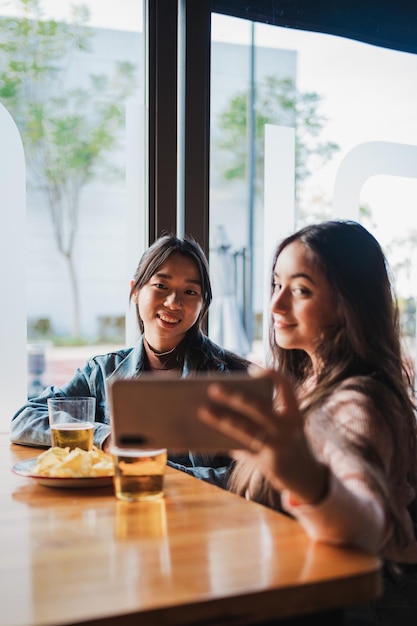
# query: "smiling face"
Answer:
x=170 y=302
x=303 y=304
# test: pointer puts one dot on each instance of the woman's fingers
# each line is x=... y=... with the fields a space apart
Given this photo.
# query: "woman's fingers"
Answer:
x=244 y=417
x=285 y=401
x=253 y=422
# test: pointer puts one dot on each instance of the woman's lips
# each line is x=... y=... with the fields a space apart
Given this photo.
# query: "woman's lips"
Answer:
x=283 y=325
x=168 y=319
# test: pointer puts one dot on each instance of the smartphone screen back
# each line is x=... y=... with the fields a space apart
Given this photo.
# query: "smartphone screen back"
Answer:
x=156 y=412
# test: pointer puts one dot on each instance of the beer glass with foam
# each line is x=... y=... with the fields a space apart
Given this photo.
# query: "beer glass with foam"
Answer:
x=72 y=422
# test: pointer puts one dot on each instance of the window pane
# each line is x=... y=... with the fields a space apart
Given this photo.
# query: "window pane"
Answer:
x=69 y=77
x=337 y=94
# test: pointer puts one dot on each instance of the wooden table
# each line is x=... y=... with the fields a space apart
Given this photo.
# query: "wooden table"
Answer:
x=199 y=556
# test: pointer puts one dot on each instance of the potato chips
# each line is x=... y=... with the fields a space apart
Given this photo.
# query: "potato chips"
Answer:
x=63 y=463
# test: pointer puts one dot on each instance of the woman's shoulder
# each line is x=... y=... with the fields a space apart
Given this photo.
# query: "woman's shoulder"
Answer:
x=367 y=388
x=349 y=413
x=363 y=390
x=110 y=360
x=365 y=401
x=235 y=361
x=119 y=354
x=213 y=356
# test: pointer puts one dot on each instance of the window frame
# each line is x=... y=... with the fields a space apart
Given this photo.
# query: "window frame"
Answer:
x=178 y=48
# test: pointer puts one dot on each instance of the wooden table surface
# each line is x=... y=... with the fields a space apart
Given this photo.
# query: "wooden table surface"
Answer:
x=199 y=556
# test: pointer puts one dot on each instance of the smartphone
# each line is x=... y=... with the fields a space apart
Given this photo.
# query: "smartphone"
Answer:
x=156 y=412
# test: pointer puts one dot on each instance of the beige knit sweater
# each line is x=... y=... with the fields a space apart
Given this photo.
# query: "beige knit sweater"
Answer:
x=355 y=511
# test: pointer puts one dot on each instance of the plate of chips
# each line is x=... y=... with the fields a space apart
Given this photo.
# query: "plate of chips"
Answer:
x=68 y=469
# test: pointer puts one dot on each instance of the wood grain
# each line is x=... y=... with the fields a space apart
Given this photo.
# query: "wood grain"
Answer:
x=198 y=556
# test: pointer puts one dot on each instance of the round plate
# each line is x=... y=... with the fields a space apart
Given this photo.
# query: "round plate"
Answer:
x=23 y=468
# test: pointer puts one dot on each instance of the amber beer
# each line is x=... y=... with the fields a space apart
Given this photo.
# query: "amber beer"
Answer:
x=73 y=435
x=139 y=474
x=71 y=420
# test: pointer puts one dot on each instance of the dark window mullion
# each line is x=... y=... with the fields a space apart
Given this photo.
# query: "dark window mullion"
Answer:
x=197 y=120
x=161 y=33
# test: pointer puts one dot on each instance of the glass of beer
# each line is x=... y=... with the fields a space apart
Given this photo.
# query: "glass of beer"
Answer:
x=72 y=422
x=139 y=474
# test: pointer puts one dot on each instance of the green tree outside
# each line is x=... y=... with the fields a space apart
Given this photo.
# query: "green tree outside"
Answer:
x=277 y=101
x=67 y=132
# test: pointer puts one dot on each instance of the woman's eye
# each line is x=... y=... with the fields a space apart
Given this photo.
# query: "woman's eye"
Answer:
x=159 y=286
x=276 y=287
x=302 y=291
x=191 y=292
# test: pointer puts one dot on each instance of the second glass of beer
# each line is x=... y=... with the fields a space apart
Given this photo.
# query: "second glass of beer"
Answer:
x=72 y=422
x=139 y=474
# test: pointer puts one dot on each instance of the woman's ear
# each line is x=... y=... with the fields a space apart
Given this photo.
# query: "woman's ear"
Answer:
x=134 y=297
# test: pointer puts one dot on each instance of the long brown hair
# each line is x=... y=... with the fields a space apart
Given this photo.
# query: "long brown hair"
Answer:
x=365 y=344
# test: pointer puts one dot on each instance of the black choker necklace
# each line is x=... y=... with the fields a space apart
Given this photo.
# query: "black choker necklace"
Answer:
x=156 y=353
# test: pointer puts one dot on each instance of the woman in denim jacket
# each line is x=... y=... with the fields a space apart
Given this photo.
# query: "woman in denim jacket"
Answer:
x=171 y=292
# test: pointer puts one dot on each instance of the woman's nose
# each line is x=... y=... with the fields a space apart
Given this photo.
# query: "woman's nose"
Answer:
x=173 y=300
x=279 y=300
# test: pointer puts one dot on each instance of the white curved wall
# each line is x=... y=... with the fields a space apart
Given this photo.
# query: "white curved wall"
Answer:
x=13 y=359
x=371 y=158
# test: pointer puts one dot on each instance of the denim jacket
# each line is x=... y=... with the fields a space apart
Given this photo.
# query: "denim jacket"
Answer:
x=30 y=425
